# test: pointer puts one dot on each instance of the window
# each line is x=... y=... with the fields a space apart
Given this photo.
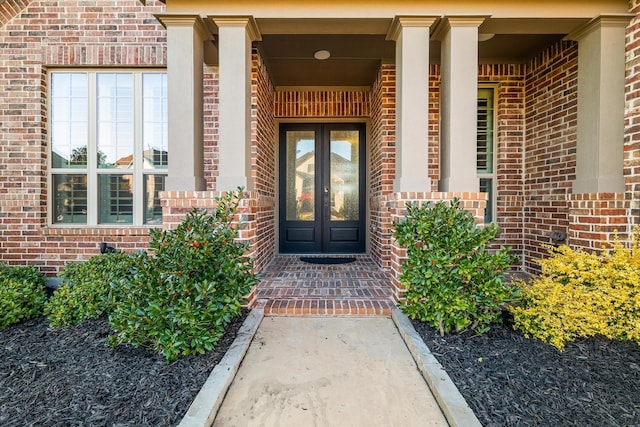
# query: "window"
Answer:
x=485 y=148
x=108 y=147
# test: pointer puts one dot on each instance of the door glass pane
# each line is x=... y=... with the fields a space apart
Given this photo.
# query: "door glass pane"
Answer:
x=344 y=175
x=301 y=175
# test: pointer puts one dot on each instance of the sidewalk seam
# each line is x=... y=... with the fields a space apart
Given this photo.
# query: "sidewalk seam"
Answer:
x=452 y=403
x=205 y=406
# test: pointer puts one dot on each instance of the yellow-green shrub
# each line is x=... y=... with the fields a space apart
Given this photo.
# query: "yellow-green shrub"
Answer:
x=581 y=294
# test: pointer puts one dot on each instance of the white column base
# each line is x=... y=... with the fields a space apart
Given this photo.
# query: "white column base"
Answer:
x=230 y=183
x=599 y=185
x=184 y=183
x=460 y=184
x=411 y=184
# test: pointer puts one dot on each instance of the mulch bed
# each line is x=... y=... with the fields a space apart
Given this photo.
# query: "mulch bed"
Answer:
x=509 y=380
x=72 y=377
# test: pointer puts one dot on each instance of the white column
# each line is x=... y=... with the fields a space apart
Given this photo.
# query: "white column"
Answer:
x=235 y=35
x=185 y=38
x=601 y=80
x=459 y=103
x=411 y=35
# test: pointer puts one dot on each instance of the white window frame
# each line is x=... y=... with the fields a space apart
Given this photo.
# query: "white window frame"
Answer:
x=92 y=171
x=492 y=175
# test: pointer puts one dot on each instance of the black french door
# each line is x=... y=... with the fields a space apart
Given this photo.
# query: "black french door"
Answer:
x=322 y=188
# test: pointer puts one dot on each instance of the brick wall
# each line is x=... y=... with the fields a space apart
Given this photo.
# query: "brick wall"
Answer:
x=35 y=36
x=382 y=166
x=433 y=148
x=321 y=103
x=263 y=161
x=536 y=135
x=597 y=218
x=211 y=101
x=509 y=83
x=549 y=147
x=632 y=110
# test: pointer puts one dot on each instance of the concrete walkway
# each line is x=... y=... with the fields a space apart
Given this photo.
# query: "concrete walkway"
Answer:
x=329 y=371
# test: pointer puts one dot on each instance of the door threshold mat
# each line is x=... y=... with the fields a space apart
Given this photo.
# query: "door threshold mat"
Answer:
x=327 y=260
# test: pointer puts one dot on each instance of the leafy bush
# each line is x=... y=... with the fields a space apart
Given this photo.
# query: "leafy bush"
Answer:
x=88 y=289
x=22 y=294
x=180 y=301
x=451 y=281
x=581 y=294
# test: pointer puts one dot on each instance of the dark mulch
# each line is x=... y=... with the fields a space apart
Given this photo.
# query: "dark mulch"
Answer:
x=72 y=377
x=509 y=380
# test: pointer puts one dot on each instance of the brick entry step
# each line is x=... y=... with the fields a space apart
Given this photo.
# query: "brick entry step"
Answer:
x=291 y=287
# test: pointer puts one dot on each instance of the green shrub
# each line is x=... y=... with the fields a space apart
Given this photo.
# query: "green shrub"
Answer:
x=451 y=281
x=22 y=294
x=88 y=289
x=581 y=294
x=180 y=301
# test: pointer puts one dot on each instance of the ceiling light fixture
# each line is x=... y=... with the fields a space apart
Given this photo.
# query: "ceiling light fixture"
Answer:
x=485 y=37
x=321 y=55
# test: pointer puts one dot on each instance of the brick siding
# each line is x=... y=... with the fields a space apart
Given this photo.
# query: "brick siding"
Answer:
x=551 y=112
x=263 y=161
x=321 y=103
x=509 y=82
x=535 y=141
x=34 y=37
x=632 y=110
x=210 y=101
x=382 y=163
x=597 y=218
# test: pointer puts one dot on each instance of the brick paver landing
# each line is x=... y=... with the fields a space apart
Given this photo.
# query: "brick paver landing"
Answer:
x=290 y=287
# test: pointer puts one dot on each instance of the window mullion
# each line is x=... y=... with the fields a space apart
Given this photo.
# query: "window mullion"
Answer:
x=92 y=153
x=138 y=163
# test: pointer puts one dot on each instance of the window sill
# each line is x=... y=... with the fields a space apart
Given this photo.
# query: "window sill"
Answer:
x=107 y=230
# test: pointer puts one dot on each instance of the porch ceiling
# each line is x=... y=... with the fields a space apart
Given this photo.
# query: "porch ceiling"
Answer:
x=359 y=46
